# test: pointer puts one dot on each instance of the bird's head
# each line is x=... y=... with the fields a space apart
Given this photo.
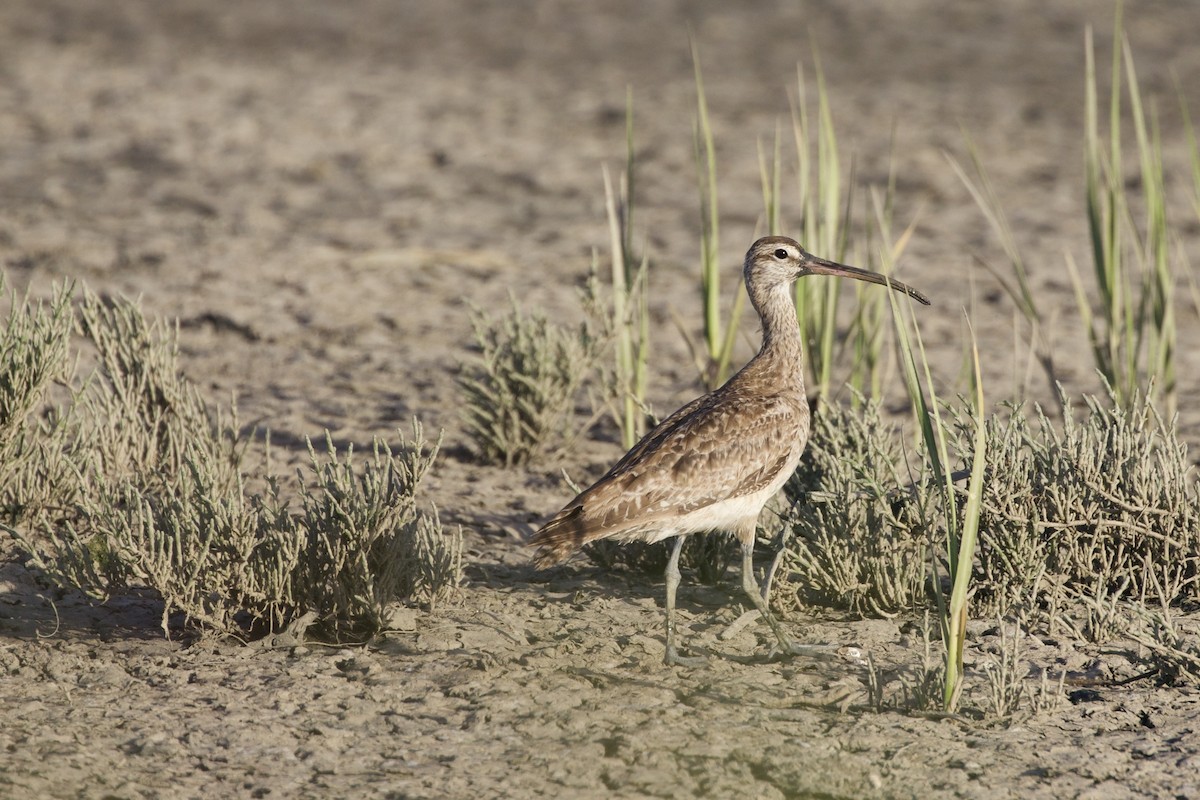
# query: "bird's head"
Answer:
x=777 y=260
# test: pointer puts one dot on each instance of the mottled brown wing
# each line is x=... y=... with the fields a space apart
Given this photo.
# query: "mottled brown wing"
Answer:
x=723 y=447
x=734 y=448
x=663 y=430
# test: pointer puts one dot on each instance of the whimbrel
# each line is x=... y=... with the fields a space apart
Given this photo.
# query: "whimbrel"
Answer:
x=714 y=464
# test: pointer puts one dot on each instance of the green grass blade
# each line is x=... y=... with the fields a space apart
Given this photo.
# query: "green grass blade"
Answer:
x=962 y=567
x=706 y=171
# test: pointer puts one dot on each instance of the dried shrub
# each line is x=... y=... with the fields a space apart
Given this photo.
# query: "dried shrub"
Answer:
x=145 y=488
x=517 y=397
x=367 y=542
x=1173 y=652
x=1104 y=506
x=860 y=524
x=235 y=562
x=140 y=415
x=34 y=357
x=204 y=549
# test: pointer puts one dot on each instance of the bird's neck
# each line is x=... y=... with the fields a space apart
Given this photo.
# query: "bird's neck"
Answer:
x=781 y=354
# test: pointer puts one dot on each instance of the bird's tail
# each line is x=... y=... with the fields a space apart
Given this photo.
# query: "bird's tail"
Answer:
x=559 y=538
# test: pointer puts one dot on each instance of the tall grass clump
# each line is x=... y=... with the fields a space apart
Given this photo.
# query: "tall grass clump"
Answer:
x=868 y=332
x=1132 y=329
x=960 y=517
x=716 y=355
x=623 y=315
x=771 y=178
x=1021 y=292
x=827 y=226
x=519 y=394
x=1193 y=152
x=825 y=218
x=1130 y=321
x=144 y=487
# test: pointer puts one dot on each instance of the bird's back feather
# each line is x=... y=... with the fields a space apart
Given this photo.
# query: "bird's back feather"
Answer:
x=721 y=446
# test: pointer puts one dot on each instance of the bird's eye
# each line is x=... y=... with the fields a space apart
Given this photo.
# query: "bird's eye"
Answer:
x=781 y=254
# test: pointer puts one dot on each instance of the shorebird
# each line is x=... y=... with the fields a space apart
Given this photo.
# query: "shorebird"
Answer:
x=714 y=464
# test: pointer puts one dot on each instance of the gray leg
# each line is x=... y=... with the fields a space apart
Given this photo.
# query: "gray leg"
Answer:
x=672 y=657
x=750 y=587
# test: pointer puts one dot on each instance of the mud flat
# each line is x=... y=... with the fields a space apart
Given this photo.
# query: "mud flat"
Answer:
x=318 y=191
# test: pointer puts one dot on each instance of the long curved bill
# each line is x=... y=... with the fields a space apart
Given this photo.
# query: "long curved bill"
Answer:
x=819 y=266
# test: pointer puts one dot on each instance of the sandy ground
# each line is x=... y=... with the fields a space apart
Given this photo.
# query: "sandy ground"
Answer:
x=319 y=191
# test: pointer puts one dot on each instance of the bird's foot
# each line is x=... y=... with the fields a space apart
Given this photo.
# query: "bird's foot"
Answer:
x=673 y=659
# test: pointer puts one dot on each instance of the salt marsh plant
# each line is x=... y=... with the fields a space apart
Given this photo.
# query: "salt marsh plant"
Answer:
x=624 y=316
x=143 y=417
x=959 y=517
x=1080 y=523
x=367 y=541
x=34 y=357
x=140 y=484
x=1130 y=323
x=236 y=562
x=1132 y=331
x=719 y=338
x=825 y=223
x=1009 y=692
x=1173 y=651
x=1021 y=292
x=827 y=226
x=1103 y=506
x=851 y=481
x=519 y=394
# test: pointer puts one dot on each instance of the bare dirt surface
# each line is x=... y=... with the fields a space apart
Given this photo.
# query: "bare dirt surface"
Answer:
x=318 y=191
